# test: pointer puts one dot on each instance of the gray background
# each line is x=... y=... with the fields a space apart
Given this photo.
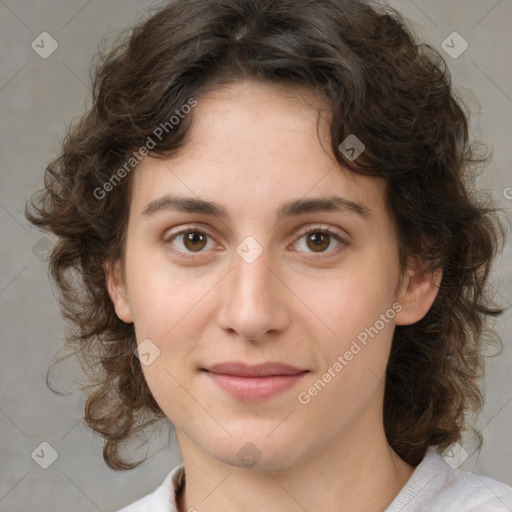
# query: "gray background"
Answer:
x=38 y=99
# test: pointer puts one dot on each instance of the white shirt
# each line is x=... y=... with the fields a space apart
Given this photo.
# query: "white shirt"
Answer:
x=433 y=487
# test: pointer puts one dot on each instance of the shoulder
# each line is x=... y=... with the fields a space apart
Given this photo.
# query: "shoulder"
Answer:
x=163 y=498
x=437 y=487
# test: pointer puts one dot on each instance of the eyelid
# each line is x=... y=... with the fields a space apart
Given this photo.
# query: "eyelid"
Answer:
x=322 y=228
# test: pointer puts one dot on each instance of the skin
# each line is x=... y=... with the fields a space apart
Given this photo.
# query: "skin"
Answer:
x=252 y=147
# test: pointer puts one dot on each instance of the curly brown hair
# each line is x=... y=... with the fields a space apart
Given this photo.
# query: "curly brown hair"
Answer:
x=362 y=59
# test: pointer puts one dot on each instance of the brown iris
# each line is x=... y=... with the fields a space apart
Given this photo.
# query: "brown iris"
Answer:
x=194 y=240
x=320 y=241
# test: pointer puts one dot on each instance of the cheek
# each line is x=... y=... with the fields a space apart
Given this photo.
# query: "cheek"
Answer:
x=358 y=307
x=164 y=296
x=167 y=389
x=354 y=299
x=354 y=359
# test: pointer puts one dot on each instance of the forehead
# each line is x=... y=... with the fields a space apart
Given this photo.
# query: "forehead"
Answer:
x=253 y=144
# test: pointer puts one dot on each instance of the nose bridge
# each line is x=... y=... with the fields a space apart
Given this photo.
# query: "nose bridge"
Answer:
x=251 y=303
x=252 y=280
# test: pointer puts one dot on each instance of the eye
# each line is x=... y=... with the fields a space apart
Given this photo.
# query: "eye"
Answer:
x=191 y=240
x=318 y=240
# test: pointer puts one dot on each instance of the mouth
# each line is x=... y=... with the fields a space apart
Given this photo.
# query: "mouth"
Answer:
x=254 y=382
x=258 y=370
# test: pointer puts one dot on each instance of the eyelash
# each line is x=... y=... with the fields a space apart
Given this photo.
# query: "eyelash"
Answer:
x=316 y=229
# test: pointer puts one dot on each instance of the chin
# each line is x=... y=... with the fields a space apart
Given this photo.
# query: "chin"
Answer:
x=255 y=451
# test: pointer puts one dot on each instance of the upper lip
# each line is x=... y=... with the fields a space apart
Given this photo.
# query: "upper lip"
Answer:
x=257 y=370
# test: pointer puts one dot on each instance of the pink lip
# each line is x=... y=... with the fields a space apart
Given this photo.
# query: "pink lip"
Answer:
x=255 y=382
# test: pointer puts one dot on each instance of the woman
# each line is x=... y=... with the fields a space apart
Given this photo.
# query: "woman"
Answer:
x=280 y=251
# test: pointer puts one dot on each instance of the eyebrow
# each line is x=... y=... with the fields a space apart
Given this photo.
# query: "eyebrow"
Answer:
x=288 y=209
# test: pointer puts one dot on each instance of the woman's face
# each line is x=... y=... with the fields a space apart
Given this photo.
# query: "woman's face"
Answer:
x=251 y=287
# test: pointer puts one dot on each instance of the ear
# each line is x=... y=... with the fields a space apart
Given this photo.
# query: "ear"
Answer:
x=117 y=291
x=417 y=293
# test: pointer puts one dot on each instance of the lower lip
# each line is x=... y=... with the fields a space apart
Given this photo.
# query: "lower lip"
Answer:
x=255 y=388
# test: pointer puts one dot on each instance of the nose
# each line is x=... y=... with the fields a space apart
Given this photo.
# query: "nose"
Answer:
x=253 y=300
